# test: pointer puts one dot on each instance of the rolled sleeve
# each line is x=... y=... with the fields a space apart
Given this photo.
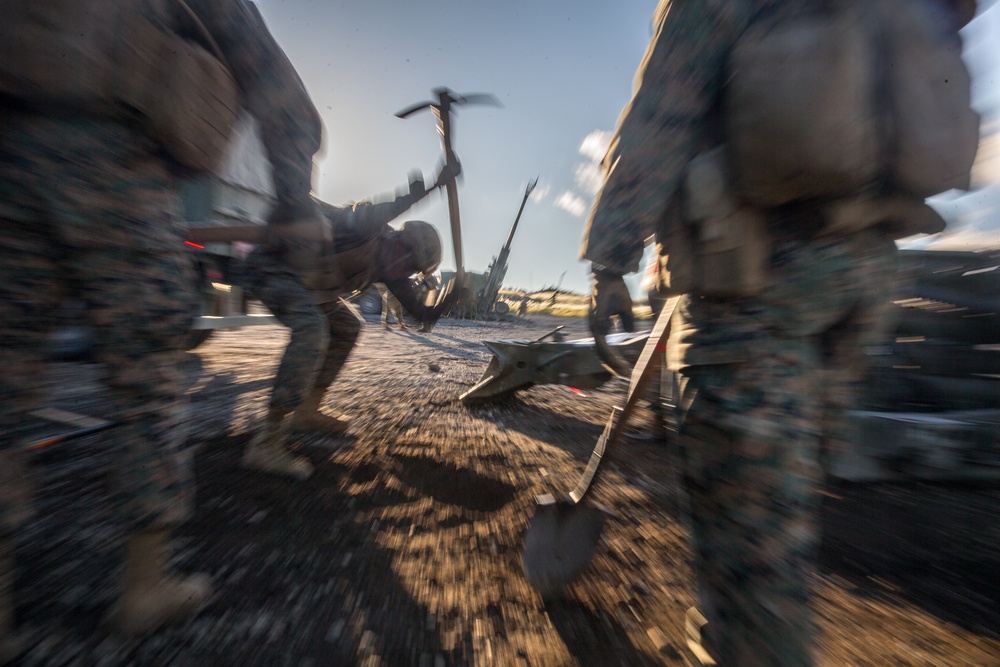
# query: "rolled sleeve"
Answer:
x=677 y=86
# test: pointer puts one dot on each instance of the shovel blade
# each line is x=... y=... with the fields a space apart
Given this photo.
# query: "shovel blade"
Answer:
x=561 y=541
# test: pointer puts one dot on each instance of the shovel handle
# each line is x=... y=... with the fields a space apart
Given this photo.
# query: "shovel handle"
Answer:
x=642 y=374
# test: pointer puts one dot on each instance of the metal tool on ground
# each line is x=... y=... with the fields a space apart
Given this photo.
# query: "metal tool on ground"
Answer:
x=85 y=426
x=563 y=535
x=442 y=109
x=520 y=364
x=498 y=270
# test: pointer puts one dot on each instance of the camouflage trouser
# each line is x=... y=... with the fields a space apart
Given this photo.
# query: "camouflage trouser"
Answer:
x=323 y=335
x=751 y=441
x=87 y=213
x=391 y=307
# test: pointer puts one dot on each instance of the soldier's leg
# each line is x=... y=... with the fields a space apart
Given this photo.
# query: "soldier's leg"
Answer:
x=140 y=305
x=344 y=325
x=293 y=305
x=873 y=283
x=107 y=203
x=386 y=307
x=750 y=446
x=397 y=311
x=29 y=296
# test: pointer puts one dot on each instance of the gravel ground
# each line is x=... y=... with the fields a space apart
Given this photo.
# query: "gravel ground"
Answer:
x=404 y=547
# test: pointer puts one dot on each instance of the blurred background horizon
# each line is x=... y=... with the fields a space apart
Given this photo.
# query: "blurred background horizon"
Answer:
x=563 y=72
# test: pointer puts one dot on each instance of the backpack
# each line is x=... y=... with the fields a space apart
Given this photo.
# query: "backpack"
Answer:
x=861 y=107
x=849 y=97
x=121 y=59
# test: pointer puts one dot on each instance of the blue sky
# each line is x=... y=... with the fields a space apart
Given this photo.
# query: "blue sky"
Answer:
x=562 y=70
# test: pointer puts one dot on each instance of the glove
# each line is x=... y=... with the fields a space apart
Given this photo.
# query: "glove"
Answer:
x=447 y=173
x=610 y=297
x=445 y=303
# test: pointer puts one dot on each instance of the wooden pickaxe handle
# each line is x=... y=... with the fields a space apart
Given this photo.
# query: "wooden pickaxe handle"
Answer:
x=443 y=114
x=442 y=110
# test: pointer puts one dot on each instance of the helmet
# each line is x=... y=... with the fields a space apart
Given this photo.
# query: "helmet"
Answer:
x=966 y=10
x=425 y=244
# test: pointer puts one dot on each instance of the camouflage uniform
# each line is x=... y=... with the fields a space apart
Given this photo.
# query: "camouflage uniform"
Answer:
x=763 y=379
x=391 y=308
x=324 y=327
x=89 y=208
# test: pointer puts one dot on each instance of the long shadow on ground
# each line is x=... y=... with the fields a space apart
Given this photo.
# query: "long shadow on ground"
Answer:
x=594 y=639
x=933 y=545
x=299 y=575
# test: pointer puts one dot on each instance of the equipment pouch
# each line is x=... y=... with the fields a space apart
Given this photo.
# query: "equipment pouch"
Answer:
x=186 y=95
x=799 y=110
x=57 y=51
x=710 y=244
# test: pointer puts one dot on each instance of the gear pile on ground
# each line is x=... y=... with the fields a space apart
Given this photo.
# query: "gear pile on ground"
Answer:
x=404 y=547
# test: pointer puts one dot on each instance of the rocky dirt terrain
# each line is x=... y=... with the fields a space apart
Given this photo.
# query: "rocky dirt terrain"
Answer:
x=404 y=548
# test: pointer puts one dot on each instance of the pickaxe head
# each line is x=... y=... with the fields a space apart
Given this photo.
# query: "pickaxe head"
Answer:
x=531 y=186
x=446 y=99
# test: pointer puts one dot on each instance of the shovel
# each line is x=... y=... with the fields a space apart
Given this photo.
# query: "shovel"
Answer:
x=563 y=535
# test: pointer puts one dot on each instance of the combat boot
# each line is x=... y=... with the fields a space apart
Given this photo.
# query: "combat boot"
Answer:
x=152 y=596
x=9 y=647
x=310 y=419
x=267 y=453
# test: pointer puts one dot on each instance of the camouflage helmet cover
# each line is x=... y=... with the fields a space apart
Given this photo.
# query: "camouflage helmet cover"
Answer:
x=425 y=244
x=966 y=10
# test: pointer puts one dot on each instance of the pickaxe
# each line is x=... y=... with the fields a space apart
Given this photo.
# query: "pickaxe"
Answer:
x=442 y=110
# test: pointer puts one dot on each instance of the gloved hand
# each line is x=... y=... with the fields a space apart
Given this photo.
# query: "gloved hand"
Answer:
x=610 y=297
x=445 y=302
x=448 y=172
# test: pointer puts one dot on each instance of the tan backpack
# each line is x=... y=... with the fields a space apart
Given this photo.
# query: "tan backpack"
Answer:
x=117 y=57
x=860 y=106
x=849 y=97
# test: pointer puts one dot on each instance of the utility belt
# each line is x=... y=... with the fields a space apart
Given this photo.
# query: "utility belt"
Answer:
x=711 y=244
x=116 y=59
x=324 y=265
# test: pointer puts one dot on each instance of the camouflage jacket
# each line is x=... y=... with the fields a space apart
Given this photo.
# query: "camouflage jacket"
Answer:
x=675 y=111
x=671 y=116
x=359 y=231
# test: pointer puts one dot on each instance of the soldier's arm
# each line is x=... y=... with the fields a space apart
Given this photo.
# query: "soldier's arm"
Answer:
x=678 y=82
x=271 y=90
x=375 y=215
